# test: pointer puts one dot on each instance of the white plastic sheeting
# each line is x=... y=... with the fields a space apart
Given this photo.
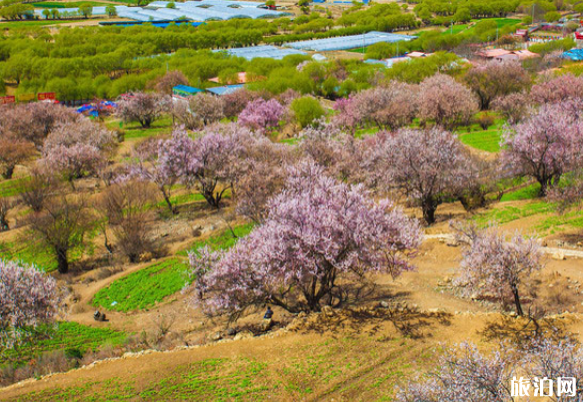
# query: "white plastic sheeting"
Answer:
x=266 y=51
x=349 y=42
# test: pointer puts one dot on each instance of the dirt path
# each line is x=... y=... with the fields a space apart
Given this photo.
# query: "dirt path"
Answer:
x=555 y=251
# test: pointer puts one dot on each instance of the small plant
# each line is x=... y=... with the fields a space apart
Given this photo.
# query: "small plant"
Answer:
x=485 y=120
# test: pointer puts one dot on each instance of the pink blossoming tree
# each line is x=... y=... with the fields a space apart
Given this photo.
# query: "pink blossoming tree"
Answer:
x=77 y=149
x=320 y=236
x=143 y=107
x=545 y=146
x=161 y=162
x=340 y=154
x=34 y=121
x=28 y=297
x=466 y=374
x=261 y=115
x=514 y=107
x=494 y=79
x=560 y=89
x=493 y=265
x=446 y=102
x=427 y=166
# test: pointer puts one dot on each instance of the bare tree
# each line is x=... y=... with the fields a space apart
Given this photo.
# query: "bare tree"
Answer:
x=36 y=190
x=61 y=226
x=126 y=207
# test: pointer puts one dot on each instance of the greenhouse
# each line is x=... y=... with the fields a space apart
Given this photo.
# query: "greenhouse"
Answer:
x=265 y=51
x=205 y=10
x=349 y=42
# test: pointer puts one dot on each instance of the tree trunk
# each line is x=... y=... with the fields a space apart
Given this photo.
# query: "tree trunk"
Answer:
x=429 y=207
x=3 y=223
x=8 y=172
x=171 y=207
x=517 y=300
x=62 y=261
x=544 y=185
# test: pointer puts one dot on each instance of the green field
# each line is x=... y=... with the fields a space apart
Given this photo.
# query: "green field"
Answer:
x=144 y=288
x=65 y=336
x=135 y=131
x=222 y=241
x=525 y=193
x=487 y=140
x=549 y=224
x=32 y=254
x=507 y=214
x=501 y=22
x=181 y=199
x=148 y=286
x=10 y=188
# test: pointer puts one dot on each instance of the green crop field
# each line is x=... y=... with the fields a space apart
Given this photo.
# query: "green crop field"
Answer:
x=64 y=336
x=525 y=193
x=134 y=131
x=10 y=188
x=144 y=288
x=222 y=241
x=148 y=286
x=551 y=220
x=510 y=213
x=488 y=140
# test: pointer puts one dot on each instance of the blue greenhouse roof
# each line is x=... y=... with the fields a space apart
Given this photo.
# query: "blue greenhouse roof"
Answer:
x=186 y=89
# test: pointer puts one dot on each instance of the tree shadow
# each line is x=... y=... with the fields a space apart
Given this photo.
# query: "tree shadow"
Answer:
x=408 y=322
x=522 y=330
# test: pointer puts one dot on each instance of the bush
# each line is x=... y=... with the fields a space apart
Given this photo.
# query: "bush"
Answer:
x=485 y=120
x=549 y=47
x=306 y=110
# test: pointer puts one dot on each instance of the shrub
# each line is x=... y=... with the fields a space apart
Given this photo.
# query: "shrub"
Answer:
x=306 y=110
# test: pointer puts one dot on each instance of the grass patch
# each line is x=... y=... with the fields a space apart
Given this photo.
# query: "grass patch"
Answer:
x=484 y=140
x=488 y=140
x=144 y=288
x=366 y=132
x=32 y=253
x=66 y=335
x=135 y=131
x=525 y=193
x=573 y=219
x=181 y=199
x=12 y=187
x=291 y=141
x=501 y=22
x=222 y=241
x=212 y=379
x=509 y=213
x=148 y=286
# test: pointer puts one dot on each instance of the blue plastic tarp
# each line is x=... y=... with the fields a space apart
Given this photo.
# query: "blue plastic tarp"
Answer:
x=573 y=54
